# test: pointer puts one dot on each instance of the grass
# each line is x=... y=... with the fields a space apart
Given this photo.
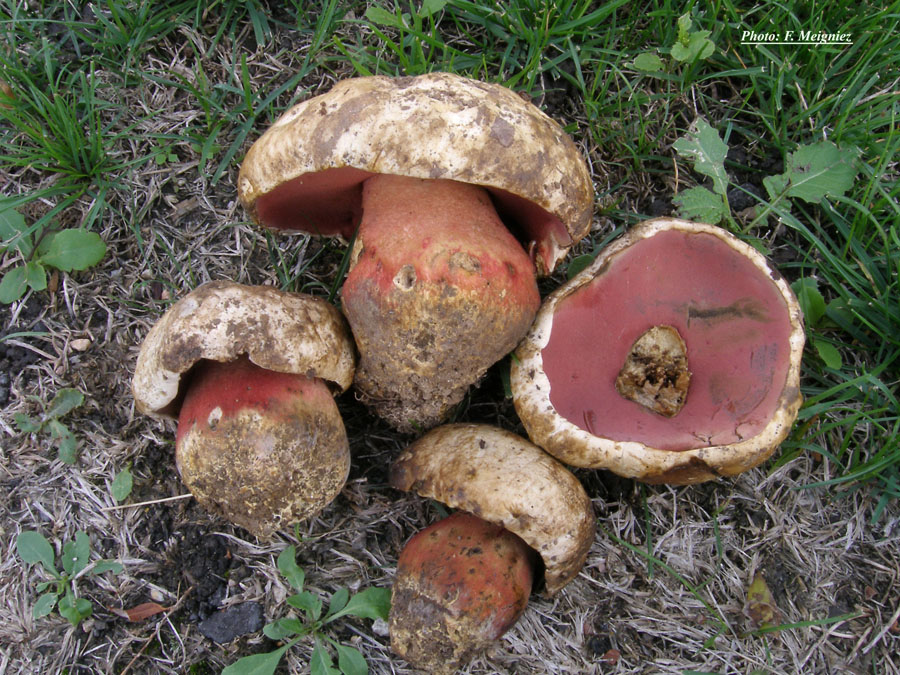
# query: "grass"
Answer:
x=88 y=84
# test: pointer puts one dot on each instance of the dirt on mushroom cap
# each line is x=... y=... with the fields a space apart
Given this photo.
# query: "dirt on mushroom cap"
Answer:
x=437 y=125
x=504 y=479
x=221 y=320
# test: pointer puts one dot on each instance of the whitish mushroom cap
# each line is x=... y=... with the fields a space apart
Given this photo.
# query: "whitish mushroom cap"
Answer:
x=437 y=125
x=221 y=320
x=506 y=480
x=766 y=339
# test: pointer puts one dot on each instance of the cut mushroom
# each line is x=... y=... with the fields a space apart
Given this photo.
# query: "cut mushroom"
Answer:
x=251 y=373
x=462 y=582
x=674 y=357
x=428 y=173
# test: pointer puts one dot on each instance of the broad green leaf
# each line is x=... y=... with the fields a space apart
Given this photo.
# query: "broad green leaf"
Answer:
x=65 y=401
x=703 y=146
x=828 y=353
x=35 y=275
x=103 y=566
x=68 y=444
x=69 y=250
x=44 y=605
x=284 y=628
x=338 y=601
x=308 y=602
x=287 y=565
x=320 y=662
x=258 y=664
x=350 y=661
x=121 y=485
x=12 y=225
x=73 y=609
x=699 y=47
x=814 y=172
x=76 y=554
x=430 y=7
x=382 y=17
x=648 y=62
x=577 y=264
x=372 y=603
x=811 y=301
x=33 y=548
x=13 y=285
x=702 y=205
x=26 y=424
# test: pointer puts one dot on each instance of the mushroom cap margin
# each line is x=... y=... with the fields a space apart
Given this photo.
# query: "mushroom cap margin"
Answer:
x=578 y=447
x=464 y=130
x=504 y=479
x=222 y=320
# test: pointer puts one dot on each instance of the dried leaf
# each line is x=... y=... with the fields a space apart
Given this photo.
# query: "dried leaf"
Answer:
x=760 y=606
x=140 y=612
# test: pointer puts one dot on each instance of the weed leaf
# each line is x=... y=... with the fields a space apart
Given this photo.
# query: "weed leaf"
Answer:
x=284 y=628
x=65 y=401
x=811 y=301
x=13 y=285
x=76 y=554
x=44 y=605
x=699 y=204
x=121 y=485
x=33 y=548
x=828 y=353
x=26 y=424
x=320 y=662
x=703 y=145
x=12 y=225
x=257 y=664
x=338 y=601
x=430 y=7
x=74 y=609
x=35 y=275
x=372 y=603
x=288 y=567
x=308 y=602
x=68 y=445
x=382 y=17
x=648 y=62
x=69 y=250
x=577 y=264
x=350 y=661
x=815 y=172
x=107 y=566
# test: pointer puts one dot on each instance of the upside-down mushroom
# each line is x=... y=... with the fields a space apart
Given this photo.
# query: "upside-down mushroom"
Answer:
x=457 y=192
x=674 y=357
x=251 y=373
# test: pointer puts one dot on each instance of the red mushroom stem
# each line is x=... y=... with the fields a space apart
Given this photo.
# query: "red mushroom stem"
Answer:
x=438 y=291
x=461 y=583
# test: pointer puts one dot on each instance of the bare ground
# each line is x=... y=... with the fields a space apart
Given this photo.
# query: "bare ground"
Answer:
x=685 y=610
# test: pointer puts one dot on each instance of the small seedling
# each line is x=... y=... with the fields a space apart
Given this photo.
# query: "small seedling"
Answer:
x=121 y=485
x=690 y=46
x=65 y=250
x=372 y=603
x=34 y=548
x=64 y=402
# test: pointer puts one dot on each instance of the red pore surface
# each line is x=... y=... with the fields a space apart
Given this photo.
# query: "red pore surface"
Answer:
x=471 y=569
x=730 y=314
x=218 y=391
x=330 y=202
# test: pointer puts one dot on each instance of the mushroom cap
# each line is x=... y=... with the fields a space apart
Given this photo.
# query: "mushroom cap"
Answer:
x=304 y=173
x=222 y=320
x=744 y=334
x=506 y=480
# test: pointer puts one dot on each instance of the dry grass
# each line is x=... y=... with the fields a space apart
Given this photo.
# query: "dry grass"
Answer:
x=819 y=554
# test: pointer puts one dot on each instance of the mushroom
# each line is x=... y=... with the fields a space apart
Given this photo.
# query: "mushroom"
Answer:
x=673 y=358
x=465 y=580
x=427 y=173
x=250 y=373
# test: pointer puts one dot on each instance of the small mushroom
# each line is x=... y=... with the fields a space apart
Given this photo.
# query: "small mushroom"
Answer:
x=674 y=357
x=465 y=580
x=251 y=373
x=436 y=176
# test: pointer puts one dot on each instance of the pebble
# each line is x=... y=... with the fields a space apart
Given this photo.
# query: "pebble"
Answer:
x=230 y=623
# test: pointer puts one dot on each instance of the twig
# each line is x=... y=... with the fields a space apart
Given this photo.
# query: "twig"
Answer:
x=152 y=501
